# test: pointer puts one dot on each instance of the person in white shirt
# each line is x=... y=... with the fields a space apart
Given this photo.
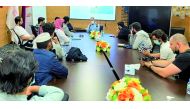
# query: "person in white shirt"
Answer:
x=138 y=38
x=160 y=38
x=60 y=32
x=93 y=26
x=23 y=35
x=65 y=27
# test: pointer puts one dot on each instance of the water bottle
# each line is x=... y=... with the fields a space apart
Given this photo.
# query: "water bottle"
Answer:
x=188 y=87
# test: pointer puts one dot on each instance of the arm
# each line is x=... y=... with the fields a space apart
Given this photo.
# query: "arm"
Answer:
x=23 y=34
x=57 y=68
x=131 y=39
x=161 y=63
x=147 y=53
x=157 y=55
x=88 y=28
x=27 y=37
x=58 y=50
x=167 y=71
x=66 y=30
x=137 y=41
x=47 y=93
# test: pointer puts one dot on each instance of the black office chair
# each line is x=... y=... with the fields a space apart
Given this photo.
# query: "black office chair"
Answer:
x=101 y=28
x=20 y=42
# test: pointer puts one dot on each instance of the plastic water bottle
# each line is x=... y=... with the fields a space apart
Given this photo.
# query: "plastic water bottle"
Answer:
x=188 y=87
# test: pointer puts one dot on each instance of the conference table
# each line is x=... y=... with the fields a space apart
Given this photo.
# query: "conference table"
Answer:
x=86 y=81
x=90 y=81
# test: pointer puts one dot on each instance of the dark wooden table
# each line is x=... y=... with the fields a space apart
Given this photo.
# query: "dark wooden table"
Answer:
x=87 y=81
x=158 y=87
x=90 y=81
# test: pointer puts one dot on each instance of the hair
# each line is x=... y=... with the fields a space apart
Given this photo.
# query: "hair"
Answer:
x=121 y=24
x=40 y=19
x=57 y=18
x=160 y=34
x=48 y=27
x=4 y=51
x=179 y=38
x=17 y=19
x=66 y=19
x=43 y=45
x=136 y=26
x=16 y=69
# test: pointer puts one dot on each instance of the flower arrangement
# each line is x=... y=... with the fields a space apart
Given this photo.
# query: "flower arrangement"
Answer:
x=102 y=46
x=128 y=89
x=95 y=34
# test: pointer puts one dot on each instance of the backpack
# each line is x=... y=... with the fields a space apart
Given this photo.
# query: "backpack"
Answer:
x=75 y=54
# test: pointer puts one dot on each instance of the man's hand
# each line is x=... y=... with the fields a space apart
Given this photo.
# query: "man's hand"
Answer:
x=146 y=53
x=32 y=89
x=148 y=64
x=55 y=40
x=32 y=37
x=142 y=63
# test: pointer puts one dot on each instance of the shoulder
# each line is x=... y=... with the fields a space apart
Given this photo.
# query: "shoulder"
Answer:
x=183 y=56
x=18 y=28
x=59 y=31
x=165 y=46
x=43 y=52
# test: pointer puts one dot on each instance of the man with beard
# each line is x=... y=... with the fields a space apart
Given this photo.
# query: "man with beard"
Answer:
x=138 y=38
x=24 y=36
x=49 y=65
x=180 y=66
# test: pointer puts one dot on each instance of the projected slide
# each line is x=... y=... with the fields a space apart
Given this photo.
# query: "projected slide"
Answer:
x=99 y=12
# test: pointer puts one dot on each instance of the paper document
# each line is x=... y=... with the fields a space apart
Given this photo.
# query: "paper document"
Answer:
x=130 y=68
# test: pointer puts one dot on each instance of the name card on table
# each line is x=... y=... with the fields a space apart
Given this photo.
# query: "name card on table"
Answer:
x=130 y=68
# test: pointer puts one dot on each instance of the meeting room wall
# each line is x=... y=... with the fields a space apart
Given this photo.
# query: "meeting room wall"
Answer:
x=178 y=19
x=61 y=11
x=111 y=26
x=4 y=37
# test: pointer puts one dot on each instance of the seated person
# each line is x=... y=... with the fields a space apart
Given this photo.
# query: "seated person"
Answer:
x=160 y=38
x=16 y=75
x=60 y=32
x=21 y=32
x=41 y=20
x=93 y=26
x=123 y=31
x=65 y=27
x=49 y=28
x=180 y=66
x=49 y=65
x=70 y=26
x=138 y=38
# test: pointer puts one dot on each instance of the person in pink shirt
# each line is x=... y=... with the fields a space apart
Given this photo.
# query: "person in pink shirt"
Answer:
x=60 y=33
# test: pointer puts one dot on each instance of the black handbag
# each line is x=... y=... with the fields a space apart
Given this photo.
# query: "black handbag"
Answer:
x=75 y=54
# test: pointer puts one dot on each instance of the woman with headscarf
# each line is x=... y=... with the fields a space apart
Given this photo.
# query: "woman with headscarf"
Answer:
x=59 y=32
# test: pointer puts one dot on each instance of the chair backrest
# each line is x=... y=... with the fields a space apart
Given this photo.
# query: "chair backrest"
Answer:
x=101 y=28
x=14 y=37
x=34 y=30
